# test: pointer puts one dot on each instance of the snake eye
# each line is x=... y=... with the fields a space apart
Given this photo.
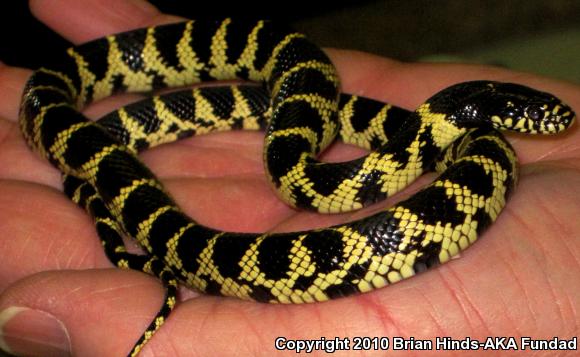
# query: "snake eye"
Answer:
x=534 y=112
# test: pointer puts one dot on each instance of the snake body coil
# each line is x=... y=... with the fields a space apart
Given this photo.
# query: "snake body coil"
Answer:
x=103 y=174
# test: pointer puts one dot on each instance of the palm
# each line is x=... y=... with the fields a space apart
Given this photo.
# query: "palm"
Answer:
x=520 y=279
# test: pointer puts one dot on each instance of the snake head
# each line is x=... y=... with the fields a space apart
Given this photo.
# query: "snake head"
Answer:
x=519 y=108
x=509 y=106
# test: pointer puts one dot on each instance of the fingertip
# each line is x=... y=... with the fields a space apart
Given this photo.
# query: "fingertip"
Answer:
x=381 y=78
x=87 y=304
x=81 y=21
x=29 y=332
x=407 y=84
x=12 y=81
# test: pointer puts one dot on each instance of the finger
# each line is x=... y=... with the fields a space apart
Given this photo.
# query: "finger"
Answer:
x=12 y=81
x=90 y=19
x=87 y=304
x=18 y=162
x=42 y=230
x=408 y=84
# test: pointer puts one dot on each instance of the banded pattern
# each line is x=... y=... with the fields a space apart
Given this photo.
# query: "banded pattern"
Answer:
x=156 y=120
x=105 y=176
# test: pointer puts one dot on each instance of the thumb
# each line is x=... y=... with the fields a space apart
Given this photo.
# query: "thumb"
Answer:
x=62 y=313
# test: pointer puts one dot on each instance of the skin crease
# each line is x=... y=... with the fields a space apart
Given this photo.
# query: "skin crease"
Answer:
x=520 y=280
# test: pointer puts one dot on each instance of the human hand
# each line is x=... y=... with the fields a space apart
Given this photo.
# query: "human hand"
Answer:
x=520 y=280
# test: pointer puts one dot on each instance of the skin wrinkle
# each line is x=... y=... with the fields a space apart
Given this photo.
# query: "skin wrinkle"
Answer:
x=87 y=258
x=350 y=322
x=505 y=308
x=55 y=250
x=545 y=251
x=510 y=214
x=559 y=225
x=574 y=312
x=458 y=293
x=255 y=334
x=554 y=151
x=544 y=276
x=177 y=345
x=570 y=248
x=554 y=217
x=49 y=255
x=318 y=317
x=241 y=315
x=169 y=349
x=370 y=303
x=294 y=325
x=3 y=136
x=517 y=283
x=257 y=347
x=547 y=154
x=562 y=316
x=205 y=320
x=50 y=249
x=20 y=254
x=118 y=288
x=433 y=314
x=141 y=318
x=522 y=142
x=210 y=350
x=550 y=215
x=350 y=325
x=439 y=331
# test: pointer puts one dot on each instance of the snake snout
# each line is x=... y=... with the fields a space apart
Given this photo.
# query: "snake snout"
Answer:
x=563 y=116
x=554 y=117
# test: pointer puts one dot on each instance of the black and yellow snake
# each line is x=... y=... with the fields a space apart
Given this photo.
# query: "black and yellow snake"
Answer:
x=455 y=130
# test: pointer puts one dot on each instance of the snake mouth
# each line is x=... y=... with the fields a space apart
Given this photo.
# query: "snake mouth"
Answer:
x=558 y=119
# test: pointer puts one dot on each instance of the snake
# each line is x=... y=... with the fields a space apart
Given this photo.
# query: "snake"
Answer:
x=294 y=96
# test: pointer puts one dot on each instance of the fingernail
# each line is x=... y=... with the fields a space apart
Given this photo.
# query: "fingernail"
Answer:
x=29 y=332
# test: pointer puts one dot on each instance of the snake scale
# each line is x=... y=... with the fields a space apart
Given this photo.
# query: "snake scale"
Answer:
x=301 y=111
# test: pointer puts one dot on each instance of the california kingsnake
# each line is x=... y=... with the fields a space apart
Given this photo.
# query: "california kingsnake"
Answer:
x=103 y=174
